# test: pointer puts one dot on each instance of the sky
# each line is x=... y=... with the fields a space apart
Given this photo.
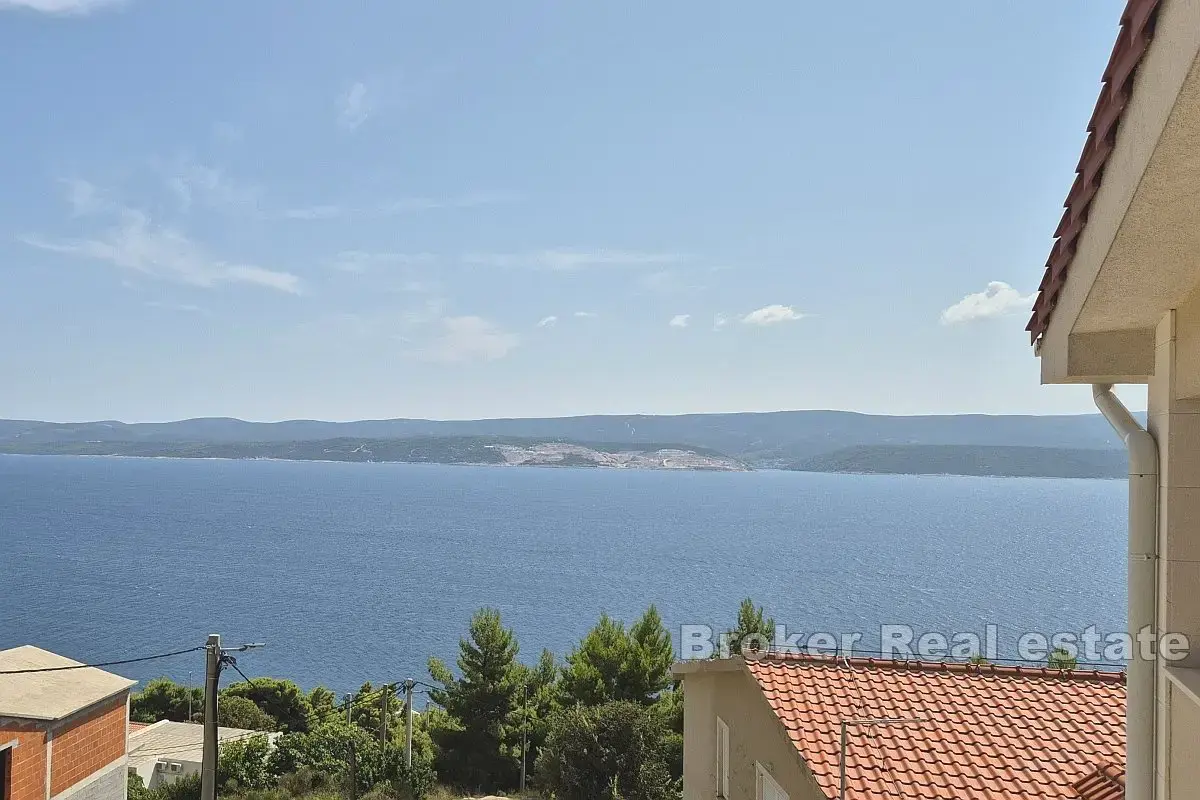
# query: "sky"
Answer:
x=269 y=209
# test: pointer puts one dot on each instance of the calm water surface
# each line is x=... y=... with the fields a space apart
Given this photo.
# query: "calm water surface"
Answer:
x=356 y=572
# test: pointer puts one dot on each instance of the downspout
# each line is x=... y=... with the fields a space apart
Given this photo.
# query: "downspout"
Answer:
x=1141 y=677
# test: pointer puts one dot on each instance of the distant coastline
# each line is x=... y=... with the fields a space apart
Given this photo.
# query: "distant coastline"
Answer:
x=809 y=441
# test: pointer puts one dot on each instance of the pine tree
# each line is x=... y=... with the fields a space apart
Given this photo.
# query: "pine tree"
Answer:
x=612 y=664
x=752 y=628
x=475 y=749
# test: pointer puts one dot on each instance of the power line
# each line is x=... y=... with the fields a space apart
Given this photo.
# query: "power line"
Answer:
x=102 y=663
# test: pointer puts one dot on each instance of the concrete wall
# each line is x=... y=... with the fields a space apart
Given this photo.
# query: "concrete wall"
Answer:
x=1174 y=419
x=755 y=735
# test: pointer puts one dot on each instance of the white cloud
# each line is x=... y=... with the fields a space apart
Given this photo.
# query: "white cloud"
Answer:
x=405 y=205
x=771 y=315
x=137 y=245
x=227 y=132
x=186 y=308
x=546 y=322
x=359 y=261
x=680 y=320
x=719 y=321
x=568 y=260
x=61 y=7
x=586 y=314
x=997 y=300
x=83 y=197
x=196 y=183
x=469 y=338
x=354 y=106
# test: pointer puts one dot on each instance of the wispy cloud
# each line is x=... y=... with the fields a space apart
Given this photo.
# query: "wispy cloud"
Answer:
x=720 y=321
x=355 y=106
x=185 y=308
x=194 y=183
x=997 y=300
x=83 y=197
x=571 y=259
x=227 y=132
x=680 y=320
x=466 y=339
x=404 y=205
x=61 y=7
x=771 y=315
x=136 y=245
x=359 y=261
x=585 y=314
x=546 y=322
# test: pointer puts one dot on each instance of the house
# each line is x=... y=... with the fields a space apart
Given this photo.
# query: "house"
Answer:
x=1119 y=303
x=62 y=728
x=771 y=728
x=167 y=751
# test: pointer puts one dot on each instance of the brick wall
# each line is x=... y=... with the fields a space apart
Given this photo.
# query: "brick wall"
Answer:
x=87 y=744
x=28 y=777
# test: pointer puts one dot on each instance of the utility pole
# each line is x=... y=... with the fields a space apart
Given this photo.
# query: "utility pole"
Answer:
x=349 y=711
x=383 y=712
x=353 y=772
x=212 y=677
x=408 y=722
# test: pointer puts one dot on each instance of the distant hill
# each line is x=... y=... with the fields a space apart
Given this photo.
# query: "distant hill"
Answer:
x=498 y=450
x=1042 y=462
x=779 y=438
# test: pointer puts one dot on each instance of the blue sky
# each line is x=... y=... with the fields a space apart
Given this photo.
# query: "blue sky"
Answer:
x=274 y=209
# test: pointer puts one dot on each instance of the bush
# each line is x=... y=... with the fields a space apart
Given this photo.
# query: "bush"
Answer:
x=620 y=749
x=242 y=765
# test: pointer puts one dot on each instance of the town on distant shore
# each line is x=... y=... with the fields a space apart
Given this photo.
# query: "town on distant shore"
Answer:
x=1081 y=446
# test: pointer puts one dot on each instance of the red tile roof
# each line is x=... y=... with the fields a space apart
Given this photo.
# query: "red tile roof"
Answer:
x=1137 y=28
x=1001 y=733
x=1106 y=783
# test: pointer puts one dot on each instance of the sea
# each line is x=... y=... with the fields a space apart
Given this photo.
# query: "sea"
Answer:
x=361 y=572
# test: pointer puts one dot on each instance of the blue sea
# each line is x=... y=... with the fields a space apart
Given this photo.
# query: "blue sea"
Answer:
x=357 y=572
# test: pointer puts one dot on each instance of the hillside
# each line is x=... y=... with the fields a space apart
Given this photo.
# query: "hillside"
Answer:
x=769 y=439
x=421 y=449
x=1044 y=462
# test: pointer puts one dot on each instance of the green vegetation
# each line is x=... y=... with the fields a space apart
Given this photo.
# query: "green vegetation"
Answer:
x=608 y=717
x=1061 y=658
x=754 y=630
x=1034 y=462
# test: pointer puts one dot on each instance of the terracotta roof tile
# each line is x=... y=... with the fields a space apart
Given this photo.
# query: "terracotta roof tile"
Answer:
x=1107 y=782
x=1001 y=733
x=1137 y=28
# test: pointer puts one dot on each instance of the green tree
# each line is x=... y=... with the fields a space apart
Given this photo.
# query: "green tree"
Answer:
x=164 y=699
x=647 y=670
x=281 y=699
x=326 y=750
x=242 y=764
x=1062 y=659
x=753 y=628
x=593 y=672
x=322 y=702
x=614 y=750
x=238 y=712
x=475 y=746
x=612 y=664
x=137 y=788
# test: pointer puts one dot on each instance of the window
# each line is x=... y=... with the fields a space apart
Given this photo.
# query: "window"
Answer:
x=722 y=758
x=6 y=773
x=767 y=788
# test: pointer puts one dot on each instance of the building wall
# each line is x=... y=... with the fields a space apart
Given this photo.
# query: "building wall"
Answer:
x=1174 y=419
x=28 y=779
x=87 y=744
x=755 y=735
